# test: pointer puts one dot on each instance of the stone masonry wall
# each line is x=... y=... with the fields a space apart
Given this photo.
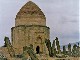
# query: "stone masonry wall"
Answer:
x=26 y=35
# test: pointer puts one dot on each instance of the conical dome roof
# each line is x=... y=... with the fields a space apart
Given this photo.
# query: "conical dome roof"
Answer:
x=30 y=14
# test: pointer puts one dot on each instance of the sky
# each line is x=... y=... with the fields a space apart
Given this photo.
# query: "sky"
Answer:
x=62 y=16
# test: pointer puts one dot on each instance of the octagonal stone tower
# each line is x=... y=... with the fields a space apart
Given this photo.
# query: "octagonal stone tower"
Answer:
x=30 y=28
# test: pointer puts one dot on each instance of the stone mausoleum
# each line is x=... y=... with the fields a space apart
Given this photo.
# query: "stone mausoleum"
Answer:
x=30 y=30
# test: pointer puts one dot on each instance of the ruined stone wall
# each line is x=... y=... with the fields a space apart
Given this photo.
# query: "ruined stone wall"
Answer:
x=4 y=51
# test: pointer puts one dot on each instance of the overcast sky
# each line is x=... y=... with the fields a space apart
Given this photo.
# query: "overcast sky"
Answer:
x=62 y=16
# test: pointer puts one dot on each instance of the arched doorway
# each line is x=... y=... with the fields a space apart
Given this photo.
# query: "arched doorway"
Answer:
x=37 y=49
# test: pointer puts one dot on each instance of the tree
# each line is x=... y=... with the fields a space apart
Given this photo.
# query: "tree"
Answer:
x=53 y=48
x=58 y=48
x=57 y=44
x=69 y=49
x=55 y=52
x=78 y=50
x=64 y=50
x=74 y=50
x=53 y=44
x=48 y=44
x=5 y=44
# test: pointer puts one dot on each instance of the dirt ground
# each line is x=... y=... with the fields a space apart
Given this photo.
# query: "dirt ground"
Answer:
x=71 y=58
